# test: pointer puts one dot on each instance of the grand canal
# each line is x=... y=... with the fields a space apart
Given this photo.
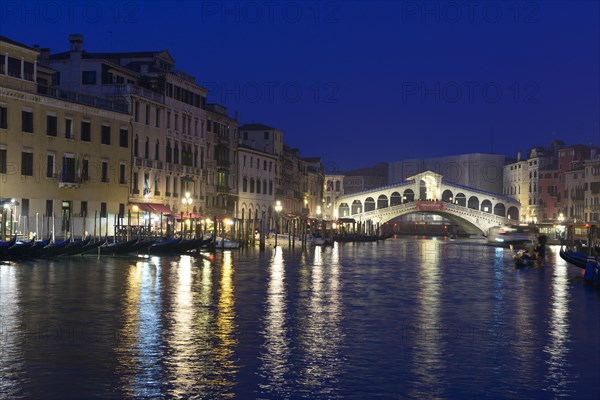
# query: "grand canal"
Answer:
x=405 y=318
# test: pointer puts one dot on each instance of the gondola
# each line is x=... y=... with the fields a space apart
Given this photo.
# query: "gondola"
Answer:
x=523 y=259
x=142 y=245
x=192 y=244
x=75 y=247
x=572 y=257
x=169 y=246
x=54 y=249
x=91 y=246
x=117 y=248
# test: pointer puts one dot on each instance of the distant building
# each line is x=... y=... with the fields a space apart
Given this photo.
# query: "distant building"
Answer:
x=367 y=178
x=334 y=188
x=477 y=170
x=256 y=182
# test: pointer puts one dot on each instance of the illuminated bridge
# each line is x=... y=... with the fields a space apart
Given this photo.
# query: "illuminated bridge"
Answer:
x=475 y=211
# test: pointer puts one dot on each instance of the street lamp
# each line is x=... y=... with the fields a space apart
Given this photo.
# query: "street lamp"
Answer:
x=278 y=209
x=187 y=202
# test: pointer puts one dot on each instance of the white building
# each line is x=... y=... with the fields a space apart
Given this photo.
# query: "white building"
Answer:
x=256 y=182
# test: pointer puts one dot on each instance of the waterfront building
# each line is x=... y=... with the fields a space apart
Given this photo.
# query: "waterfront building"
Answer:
x=334 y=188
x=168 y=112
x=221 y=168
x=591 y=185
x=477 y=170
x=521 y=181
x=256 y=182
x=63 y=154
x=315 y=175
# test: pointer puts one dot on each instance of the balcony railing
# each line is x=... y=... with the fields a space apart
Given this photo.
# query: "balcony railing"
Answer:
x=81 y=98
x=128 y=89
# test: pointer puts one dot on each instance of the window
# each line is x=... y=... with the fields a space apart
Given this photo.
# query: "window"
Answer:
x=49 y=207
x=157 y=121
x=136 y=112
x=103 y=211
x=27 y=163
x=27 y=121
x=245 y=184
x=3 y=161
x=134 y=184
x=167 y=185
x=157 y=150
x=270 y=187
x=265 y=187
x=122 y=174
x=265 y=165
x=121 y=210
x=147 y=115
x=85 y=168
x=169 y=152
x=176 y=154
x=86 y=131
x=24 y=207
x=270 y=166
x=3 y=117
x=147 y=148
x=136 y=145
x=68 y=128
x=68 y=169
x=50 y=166
x=105 y=138
x=123 y=137
x=51 y=124
x=266 y=135
x=168 y=119
x=104 y=176
x=84 y=209
x=88 y=77
x=176 y=121
x=245 y=135
x=251 y=185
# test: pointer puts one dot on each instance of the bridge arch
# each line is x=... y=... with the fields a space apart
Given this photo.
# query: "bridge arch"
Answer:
x=356 y=207
x=343 y=210
x=500 y=210
x=460 y=199
x=382 y=201
x=486 y=206
x=513 y=213
x=473 y=203
x=447 y=196
x=369 y=204
x=395 y=199
x=408 y=196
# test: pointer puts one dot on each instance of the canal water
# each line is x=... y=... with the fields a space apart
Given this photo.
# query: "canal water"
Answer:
x=405 y=318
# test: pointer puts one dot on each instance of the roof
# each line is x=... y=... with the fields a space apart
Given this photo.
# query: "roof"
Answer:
x=255 y=127
x=15 y=43
x=111 y=55
x=246 y=147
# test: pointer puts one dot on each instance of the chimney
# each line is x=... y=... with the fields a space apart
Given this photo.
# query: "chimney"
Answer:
x=518 y=156
x=44 y=53
x=76 y=40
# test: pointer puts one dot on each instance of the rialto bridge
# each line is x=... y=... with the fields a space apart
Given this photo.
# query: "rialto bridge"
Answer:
x=475 y=211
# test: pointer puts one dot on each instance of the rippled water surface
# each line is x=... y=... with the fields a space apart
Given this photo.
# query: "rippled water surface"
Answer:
x=406 y=318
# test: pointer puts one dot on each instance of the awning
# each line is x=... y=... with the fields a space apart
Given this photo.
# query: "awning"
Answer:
x=153 y=208
x=161 y=209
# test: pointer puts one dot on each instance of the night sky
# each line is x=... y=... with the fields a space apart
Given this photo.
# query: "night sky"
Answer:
x=363 y=82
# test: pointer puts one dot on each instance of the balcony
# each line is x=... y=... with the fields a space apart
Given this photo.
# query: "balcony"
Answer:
x=129 y=89
x=68 y=185
x=223 y=188
x=86 y=99
x=148 y=163
x=157 y=193
x=158 y=164
x=137 y=161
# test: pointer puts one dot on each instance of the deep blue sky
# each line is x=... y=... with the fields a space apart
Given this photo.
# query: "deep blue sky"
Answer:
x=362 y=82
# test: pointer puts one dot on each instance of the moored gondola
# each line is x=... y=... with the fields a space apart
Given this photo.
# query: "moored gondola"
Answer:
x=117 y=248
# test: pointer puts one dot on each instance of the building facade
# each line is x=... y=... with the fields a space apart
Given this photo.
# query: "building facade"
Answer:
x=63 y=154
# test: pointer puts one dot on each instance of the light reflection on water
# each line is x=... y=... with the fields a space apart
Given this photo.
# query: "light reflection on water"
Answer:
x=404 y=318
x=275 y=354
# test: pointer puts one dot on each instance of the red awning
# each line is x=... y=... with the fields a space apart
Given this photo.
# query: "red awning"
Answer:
x=161 y=209
x=153 y=208
x=143 y=207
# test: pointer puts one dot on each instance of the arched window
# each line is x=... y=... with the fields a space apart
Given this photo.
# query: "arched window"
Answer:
x=136 y=143
x=157 y=150
x=169 y=157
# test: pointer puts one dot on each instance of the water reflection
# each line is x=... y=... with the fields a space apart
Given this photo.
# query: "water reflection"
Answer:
x=320 y=331
x=11 y=356
x=182 y=355
x=139 y=346
x=560 y=374
x=427 y=363
x=276 y=348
